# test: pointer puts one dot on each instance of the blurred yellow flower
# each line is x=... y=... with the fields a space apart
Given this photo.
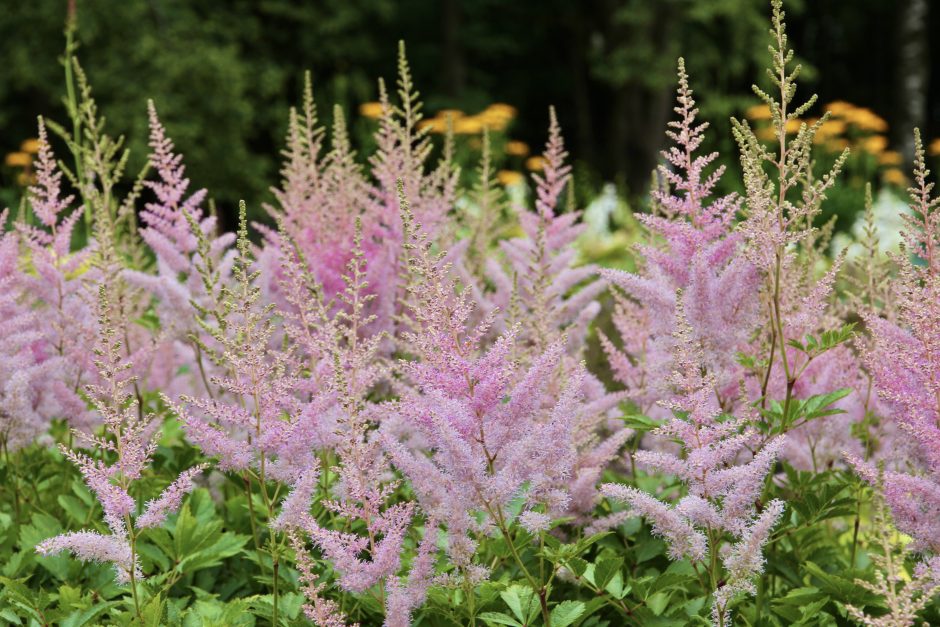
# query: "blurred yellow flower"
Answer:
x=509 y=177
x=829 y=129
x=453 y=114
x=894 y=176
x=839 y=107
x=535 y=163
x=469 y=125
x=866 y=120
x=25 y=179
x=371 y=109
x=836 y=144
x=793 y=126
x=30 y=146
x=766 y=133
x=517 y=148
x=874 y=144
x=890 y=157
x=435 y=125
x=934 y=147
x=500 y=109
x=758 y=112
x=18 y=159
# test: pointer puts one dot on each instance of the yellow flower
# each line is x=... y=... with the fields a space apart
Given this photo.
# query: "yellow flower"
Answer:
x=890 y=157
x=894 y=176
x=793 y=126
x=469 y=125
x=434 y=124
x=839 y=107
x=453 y=114
x=535 y=163
x=371 y=109
x=875 y=144
x=24 y=179
x=766 y=133
x=934 y=147
x=758 y=112
x=493 y=123
x=501 y=110
x=30 y=146
x=829 y=129
x=866 y=120
x=836 y=144
x=517 y=148
x=509 y=177
x=18 y=159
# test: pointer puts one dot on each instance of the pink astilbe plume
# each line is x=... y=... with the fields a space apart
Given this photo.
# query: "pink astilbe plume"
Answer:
x=699 y=255
x=129 y=439
x=169 y=228
x=346 y=364
x=318 y=201
x=723 y=478
x=54 y=286
x=251 y=417
x=321 y=197
x=905 y=363
x=542 y=283
x=493 y=435
x=402 y=158
x=546 y=298
x=29 y=371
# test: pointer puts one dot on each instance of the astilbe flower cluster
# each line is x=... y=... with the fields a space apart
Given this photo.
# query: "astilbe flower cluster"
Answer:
x=173 y=225
x=322 y=196
x=783 y=198
x=415 y=394
x=493 y=434
x=347 y=363
x=904 y=359
x=545 y=297
x=723 y=479
x=120 y=456
x=700 y=255
x=51 y=315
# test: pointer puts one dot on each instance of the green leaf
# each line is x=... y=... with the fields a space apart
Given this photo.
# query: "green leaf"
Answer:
x=566 y=613
x=78 y=618
x=520 y=600
x=639 y=422
x=498 y=618
x=657 y=602
x=605 y=569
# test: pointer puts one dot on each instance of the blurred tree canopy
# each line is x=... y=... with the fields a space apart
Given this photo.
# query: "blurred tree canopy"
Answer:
x=223 y=72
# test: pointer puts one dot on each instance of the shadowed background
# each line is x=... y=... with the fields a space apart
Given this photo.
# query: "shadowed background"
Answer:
x=223 y=73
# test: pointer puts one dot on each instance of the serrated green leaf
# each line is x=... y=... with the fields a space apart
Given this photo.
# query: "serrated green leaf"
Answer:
x=566 y=613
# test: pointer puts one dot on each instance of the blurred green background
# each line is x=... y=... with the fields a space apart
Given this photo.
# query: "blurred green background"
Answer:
x=224 y=72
